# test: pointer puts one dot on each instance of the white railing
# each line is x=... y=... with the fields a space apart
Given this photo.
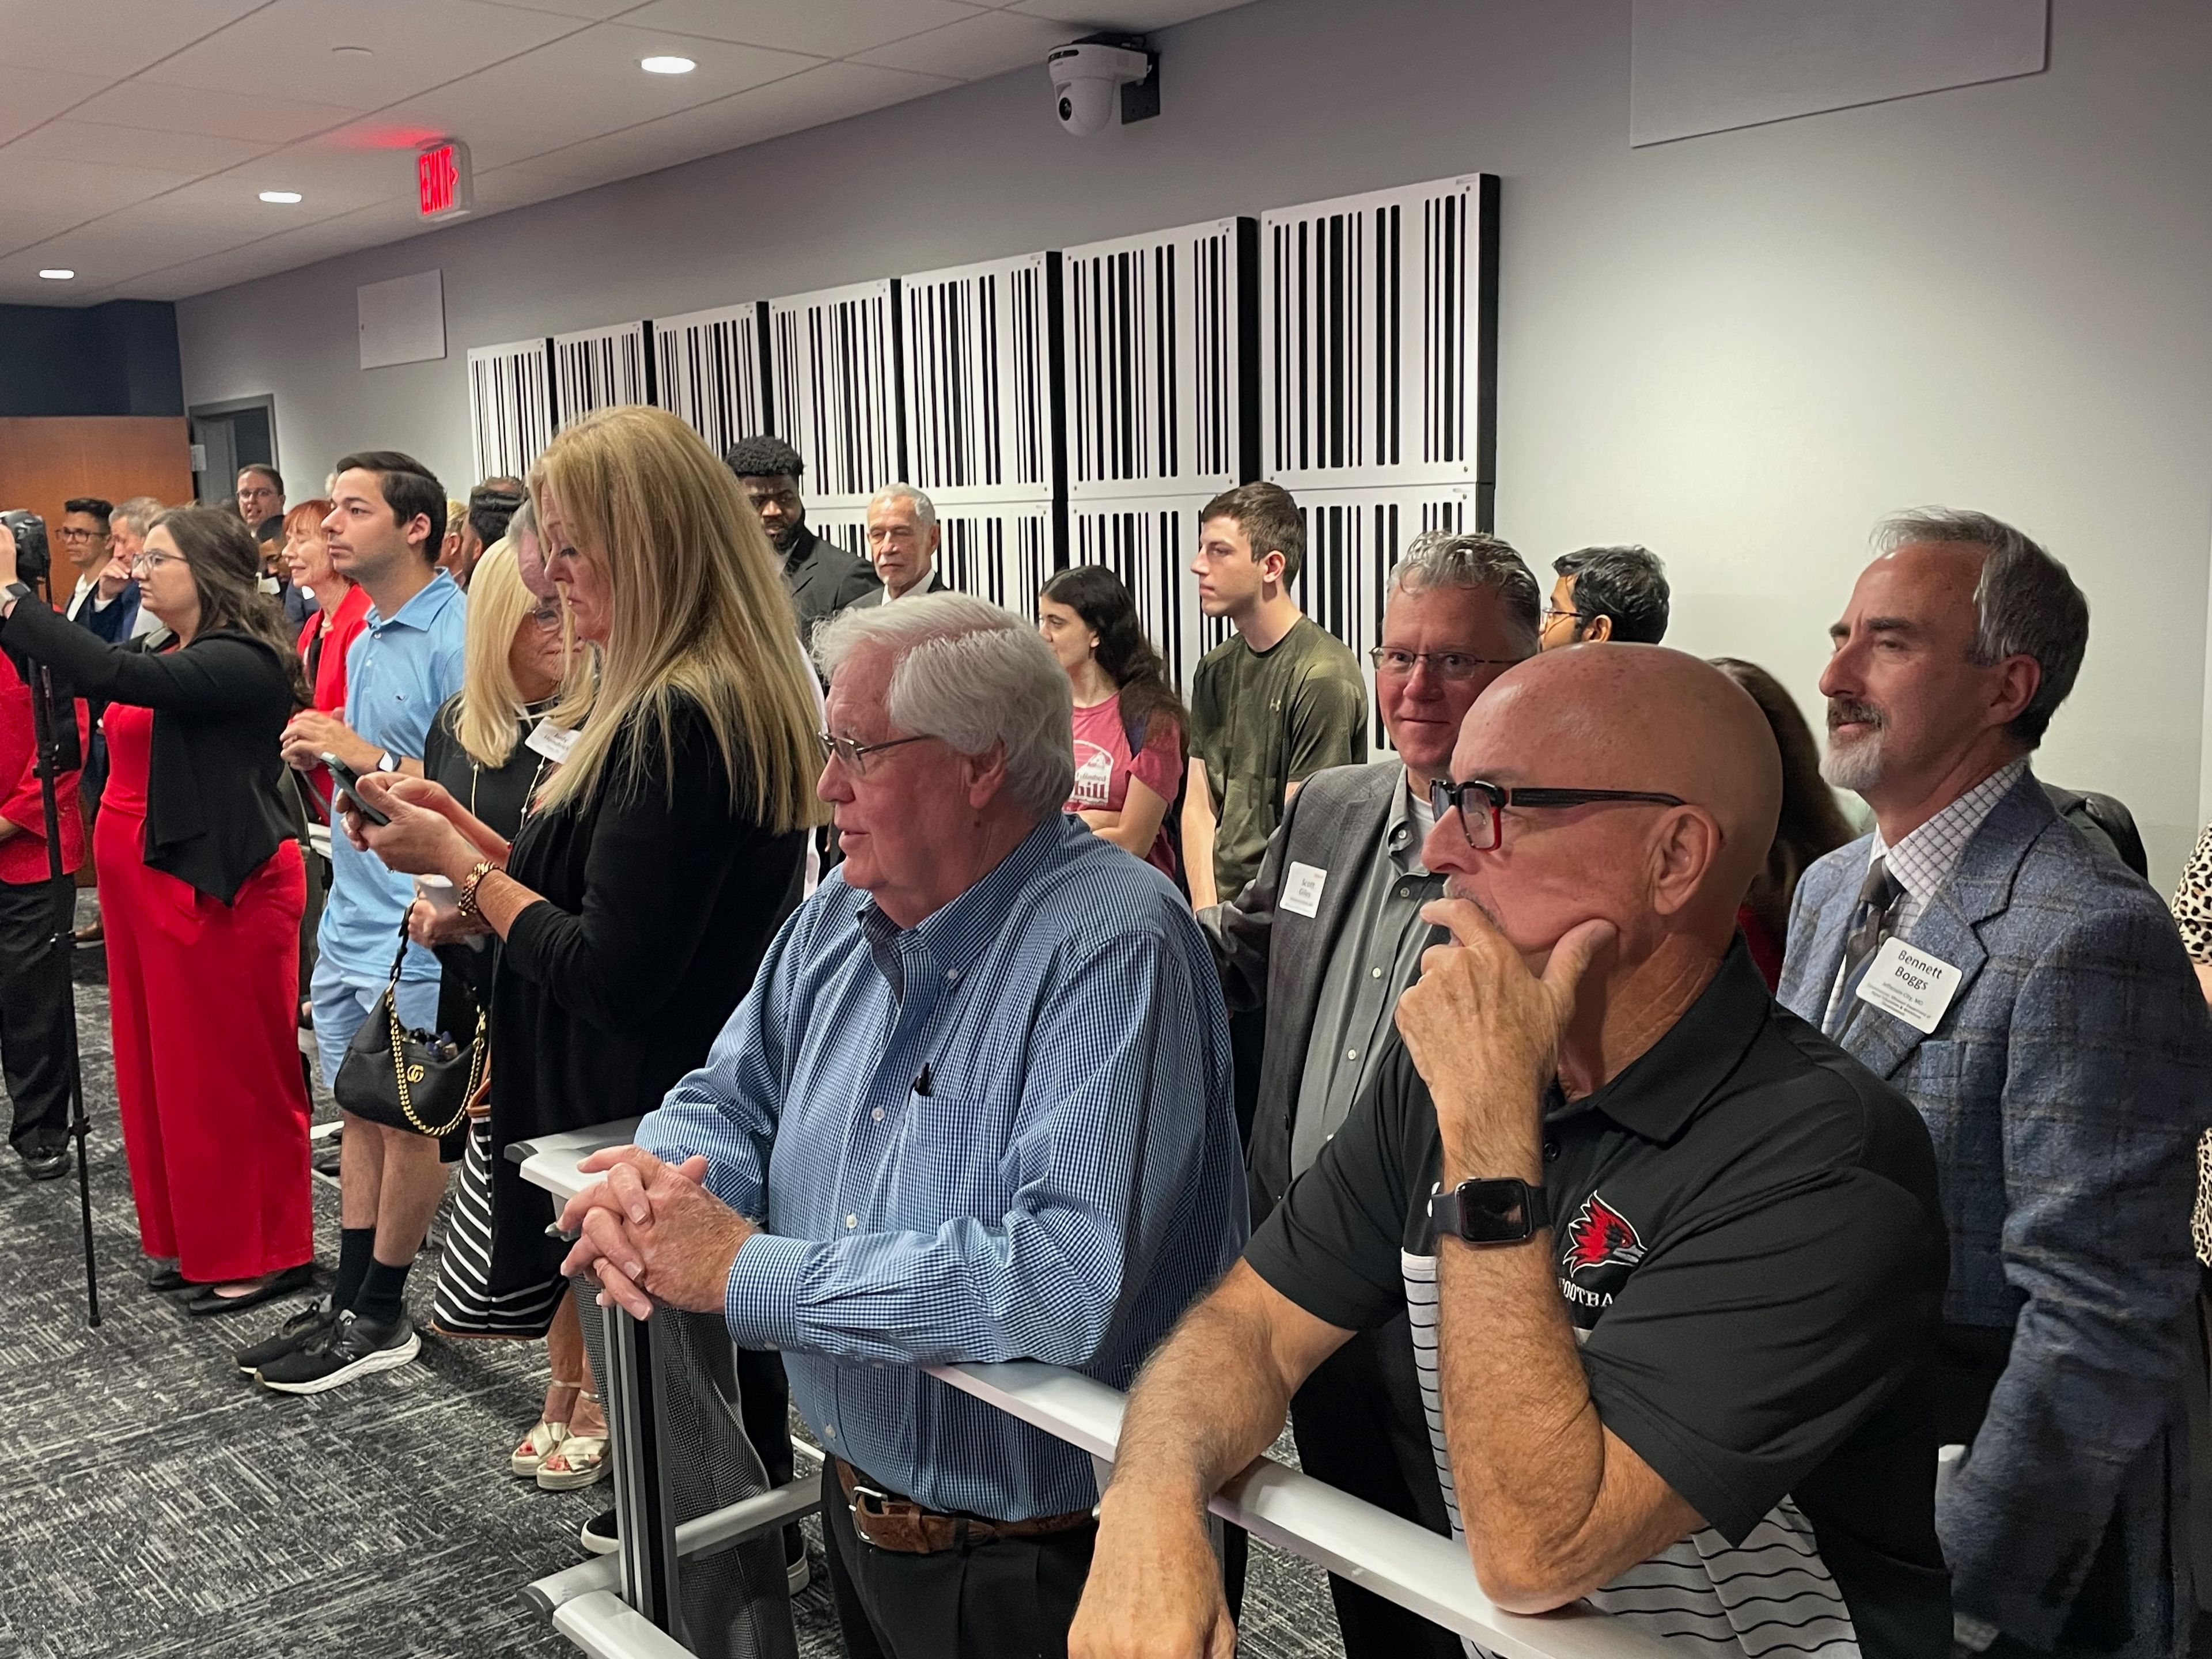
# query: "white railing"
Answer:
x=1428 y=1574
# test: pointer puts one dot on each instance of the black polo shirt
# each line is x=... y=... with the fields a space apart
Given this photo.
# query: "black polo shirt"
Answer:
x=1752 y=1252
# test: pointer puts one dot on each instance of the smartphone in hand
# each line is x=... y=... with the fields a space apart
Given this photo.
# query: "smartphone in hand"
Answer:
x=348 y=783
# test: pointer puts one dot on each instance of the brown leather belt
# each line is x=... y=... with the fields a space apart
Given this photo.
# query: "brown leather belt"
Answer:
x=891 y=1522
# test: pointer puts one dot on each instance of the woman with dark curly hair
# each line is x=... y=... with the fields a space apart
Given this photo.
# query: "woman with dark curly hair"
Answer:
x=1130 y=726
x=1812 y=825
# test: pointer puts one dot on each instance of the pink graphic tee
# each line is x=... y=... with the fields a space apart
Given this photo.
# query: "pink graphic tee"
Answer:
x=1104 y=765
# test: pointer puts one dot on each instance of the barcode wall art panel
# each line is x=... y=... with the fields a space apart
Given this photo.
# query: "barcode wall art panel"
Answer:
x=1002 y=554
x=981 y=353
x=1353 y=539
x=599 y=368
x=834 y=386
x=1159 y=332
x=1378 y=338
x=510 y=406
x=711 y=373
x=1148 y=543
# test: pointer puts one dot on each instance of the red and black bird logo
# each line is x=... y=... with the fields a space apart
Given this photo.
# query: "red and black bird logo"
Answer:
x=1598 y=1237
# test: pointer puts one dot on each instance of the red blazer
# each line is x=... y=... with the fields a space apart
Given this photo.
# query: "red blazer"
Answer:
x=23 y=856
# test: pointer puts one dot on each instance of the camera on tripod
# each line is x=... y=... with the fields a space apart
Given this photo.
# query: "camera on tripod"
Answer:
x=33 y=558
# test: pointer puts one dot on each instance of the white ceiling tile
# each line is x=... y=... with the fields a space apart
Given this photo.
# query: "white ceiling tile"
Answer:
x=599 y=11
x=413 y=45
x=71 y=140
x=989 y=44
x=158 y=107
x=78 y=188
x=119 y=248
x=119 y=38
x=834 y=28
x=1122 y=16
x=829 y=93
x=33 y=99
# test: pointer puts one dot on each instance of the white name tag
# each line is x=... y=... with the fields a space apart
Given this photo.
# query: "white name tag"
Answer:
x=554 y=742
x=1911 y=984
x=1301 y=889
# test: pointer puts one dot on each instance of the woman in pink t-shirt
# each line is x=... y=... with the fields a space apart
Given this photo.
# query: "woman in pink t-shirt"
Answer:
x=1130 y=723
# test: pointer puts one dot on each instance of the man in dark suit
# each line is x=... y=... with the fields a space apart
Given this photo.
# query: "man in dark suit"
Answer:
x=822 y=576
x=1319 y=945
x=2031 y=995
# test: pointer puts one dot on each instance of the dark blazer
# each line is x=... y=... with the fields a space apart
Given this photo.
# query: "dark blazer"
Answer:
x=217 y=802
x=823 y=579
x=1273 y=960
x=114 y=623
x=2065 y=1086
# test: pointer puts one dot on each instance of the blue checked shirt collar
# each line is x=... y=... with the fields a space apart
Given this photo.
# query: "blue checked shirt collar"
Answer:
x=952 y=936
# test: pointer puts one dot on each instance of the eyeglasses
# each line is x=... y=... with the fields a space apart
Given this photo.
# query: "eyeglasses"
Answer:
x=1552 y=613
x=1481 y=804
x=154 y=560
x=854 y=757
x=1395 y=665
x=73 y=533
x=546 y=617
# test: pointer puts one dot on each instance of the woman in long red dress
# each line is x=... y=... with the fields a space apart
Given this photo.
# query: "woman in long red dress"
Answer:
x=202 y=889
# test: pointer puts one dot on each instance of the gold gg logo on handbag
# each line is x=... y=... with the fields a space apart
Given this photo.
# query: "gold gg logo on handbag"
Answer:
x=413 y=1073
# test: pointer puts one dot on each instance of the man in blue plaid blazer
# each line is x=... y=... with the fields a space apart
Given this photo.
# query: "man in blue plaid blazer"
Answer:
x=2031 y=997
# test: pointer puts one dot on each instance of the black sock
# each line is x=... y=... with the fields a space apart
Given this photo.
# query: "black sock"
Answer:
x=383 y=1293
x=357 y=1246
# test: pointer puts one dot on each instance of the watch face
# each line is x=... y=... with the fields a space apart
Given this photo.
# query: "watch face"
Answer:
x=1493 y=1211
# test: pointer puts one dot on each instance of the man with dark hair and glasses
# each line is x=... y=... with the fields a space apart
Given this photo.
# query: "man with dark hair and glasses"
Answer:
x=1616 y=593
x=1672 y=1262
x=1316 y=950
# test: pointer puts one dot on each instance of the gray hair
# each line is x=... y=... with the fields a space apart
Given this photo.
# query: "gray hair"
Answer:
x=137 y=514
x=924 y=512
x=974 y=675
x=2026 y=605
x=1471 y=559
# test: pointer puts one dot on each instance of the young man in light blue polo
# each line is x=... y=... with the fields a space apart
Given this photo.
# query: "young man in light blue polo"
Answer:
x=385 y=531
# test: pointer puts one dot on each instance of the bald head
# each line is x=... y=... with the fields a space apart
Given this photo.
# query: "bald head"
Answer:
x=1628 y=717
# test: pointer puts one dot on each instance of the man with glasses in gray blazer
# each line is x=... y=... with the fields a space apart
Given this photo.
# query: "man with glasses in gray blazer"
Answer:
x=1319 y=945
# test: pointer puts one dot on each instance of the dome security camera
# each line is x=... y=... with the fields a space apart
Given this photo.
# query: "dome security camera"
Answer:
x=1087 y=78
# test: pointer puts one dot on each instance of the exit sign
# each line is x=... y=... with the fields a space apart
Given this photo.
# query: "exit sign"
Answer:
x=443 y=187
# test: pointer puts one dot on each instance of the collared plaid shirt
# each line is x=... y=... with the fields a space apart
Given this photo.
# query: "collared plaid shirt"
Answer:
x=1006 y=1133
x=1924 y=860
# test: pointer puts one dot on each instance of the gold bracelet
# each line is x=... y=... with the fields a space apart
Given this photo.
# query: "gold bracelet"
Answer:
x=465 y=901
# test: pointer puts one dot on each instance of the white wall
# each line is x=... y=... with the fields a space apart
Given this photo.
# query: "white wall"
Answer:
x=1739 y=349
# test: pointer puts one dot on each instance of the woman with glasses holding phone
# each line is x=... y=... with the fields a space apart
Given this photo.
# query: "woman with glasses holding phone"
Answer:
x=666 y=843
x=202 y=888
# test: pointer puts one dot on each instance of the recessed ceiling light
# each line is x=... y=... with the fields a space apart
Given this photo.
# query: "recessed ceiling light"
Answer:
x=666 y=65
x=281 y=198
x=58 y=276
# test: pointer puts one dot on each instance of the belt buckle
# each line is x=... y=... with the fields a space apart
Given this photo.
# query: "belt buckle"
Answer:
x=862 y=1506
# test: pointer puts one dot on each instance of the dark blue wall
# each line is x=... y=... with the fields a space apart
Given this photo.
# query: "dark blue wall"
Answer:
x=116 y=359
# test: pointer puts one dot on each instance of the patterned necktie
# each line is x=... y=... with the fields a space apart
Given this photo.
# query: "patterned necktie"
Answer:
x=1879 y=896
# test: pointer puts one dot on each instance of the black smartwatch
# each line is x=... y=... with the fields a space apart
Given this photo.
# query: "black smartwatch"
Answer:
x=1502 y=1211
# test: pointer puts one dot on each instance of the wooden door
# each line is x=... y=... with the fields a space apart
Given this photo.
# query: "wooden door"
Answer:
x=46 y=460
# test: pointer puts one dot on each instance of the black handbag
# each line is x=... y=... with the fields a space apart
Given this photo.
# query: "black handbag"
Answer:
x=418 y=1081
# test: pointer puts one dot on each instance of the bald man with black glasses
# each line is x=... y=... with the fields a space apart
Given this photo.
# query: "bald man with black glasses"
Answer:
x=1671 y=1261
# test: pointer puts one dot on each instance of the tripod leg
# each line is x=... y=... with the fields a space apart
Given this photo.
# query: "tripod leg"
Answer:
x=43 y=720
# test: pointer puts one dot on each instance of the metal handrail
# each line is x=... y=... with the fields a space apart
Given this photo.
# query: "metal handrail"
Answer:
x=1419 y=1570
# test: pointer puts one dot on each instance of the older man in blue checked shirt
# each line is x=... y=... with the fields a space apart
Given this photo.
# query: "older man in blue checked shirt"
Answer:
x=990 y=1060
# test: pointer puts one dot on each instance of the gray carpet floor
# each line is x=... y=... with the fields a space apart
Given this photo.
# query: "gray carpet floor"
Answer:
x=158 y=1503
